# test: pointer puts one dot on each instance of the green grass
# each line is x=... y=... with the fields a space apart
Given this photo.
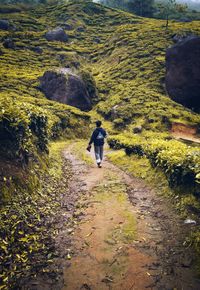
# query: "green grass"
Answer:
x=24 y=237
x=79 y=150
x=128 y=65
x=114 y=191
x=125 y=54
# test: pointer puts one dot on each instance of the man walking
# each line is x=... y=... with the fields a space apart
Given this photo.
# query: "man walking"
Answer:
x=98 y=136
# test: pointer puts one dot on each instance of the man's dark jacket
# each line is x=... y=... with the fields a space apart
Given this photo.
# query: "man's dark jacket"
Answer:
x=98 y=137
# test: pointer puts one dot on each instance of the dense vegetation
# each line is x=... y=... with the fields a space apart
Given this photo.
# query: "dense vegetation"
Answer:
x=171 y=9
x=126 y=55
x=177 y=161
x=142 y=8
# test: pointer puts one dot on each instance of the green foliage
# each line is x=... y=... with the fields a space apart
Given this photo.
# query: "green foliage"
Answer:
x=124 y=52
x=139 y=7
x=26 y=127
x=126 y=55
x=168 y=8
x=180 y=163
x=131 y=75
x=26 y=241
x=90 y=85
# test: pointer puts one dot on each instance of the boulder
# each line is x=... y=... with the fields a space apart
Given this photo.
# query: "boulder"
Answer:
x=57 y=34
x=68 y=88
x=4 y=24
x=185 y=19
x=37 y=49
x=67 y=26
x=114 y=113
x=179 y=37
x=137 y=129
x=9 y=43
x=97 y=39
x=80 y=29
x=6 y=9
x=183 y=72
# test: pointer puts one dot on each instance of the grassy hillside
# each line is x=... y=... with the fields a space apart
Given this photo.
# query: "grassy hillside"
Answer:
x=125 y=54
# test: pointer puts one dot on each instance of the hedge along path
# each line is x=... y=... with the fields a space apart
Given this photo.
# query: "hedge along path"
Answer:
x=129 y=238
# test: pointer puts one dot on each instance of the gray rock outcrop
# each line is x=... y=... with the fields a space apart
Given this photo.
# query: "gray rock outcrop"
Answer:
x=137 y=129
x=7 y=10
x=9 y=43
x=183 y=72
x=57 y=34
x=37 y=49
x=4 y=24
x=67 y=87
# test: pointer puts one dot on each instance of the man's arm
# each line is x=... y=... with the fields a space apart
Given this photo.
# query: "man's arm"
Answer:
x=92 y=138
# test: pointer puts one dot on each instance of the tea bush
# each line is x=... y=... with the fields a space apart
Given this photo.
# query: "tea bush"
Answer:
x=179 y=162
x=28 y=127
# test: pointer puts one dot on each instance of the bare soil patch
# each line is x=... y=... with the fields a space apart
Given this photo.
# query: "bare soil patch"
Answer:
x=185 y=132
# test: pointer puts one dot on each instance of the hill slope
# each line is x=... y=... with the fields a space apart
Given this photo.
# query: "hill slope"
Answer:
x=125 y=53
x=126 y=56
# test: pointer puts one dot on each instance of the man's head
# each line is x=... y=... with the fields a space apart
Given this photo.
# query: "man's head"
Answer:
x=98 y=124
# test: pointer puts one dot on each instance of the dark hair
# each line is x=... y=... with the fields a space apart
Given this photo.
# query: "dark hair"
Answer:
x=98 y=123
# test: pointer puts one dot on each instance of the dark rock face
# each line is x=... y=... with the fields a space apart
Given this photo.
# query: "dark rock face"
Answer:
x=114 y=113
x=66 y=87
x=4 y=24
x=9 y=43
x=178 y=37
x=7 y=10
x=37 y=49
x=185 y=19
x=80 y=29
x=67 y=26
x=57 y=34
x=97 y=40
x=183 y=72
x=137 y=129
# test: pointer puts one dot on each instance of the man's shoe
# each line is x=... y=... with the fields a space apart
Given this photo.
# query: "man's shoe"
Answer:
x=99 y=164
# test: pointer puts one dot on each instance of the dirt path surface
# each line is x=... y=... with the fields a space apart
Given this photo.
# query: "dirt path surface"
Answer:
x=127 y=238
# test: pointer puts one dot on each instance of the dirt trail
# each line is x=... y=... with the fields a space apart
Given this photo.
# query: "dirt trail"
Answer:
x=129 y=238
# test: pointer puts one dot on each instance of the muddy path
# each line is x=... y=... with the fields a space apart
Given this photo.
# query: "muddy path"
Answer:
x=127 y=237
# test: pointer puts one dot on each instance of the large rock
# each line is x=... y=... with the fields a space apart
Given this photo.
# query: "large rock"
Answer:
x=182 y=37
x=57 y=34
x=9 y=43
x=4 y=24
x=137 y=129
x=37 y=49
x=183 y=72
x=114 y=114
x=68 y=88
x=11 y=9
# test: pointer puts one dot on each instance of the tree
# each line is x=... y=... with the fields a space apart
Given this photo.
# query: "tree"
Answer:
x=114 y=3
x=170 y=7
x=141 y=7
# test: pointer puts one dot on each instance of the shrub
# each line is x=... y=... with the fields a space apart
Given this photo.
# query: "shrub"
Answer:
x=180 y=163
